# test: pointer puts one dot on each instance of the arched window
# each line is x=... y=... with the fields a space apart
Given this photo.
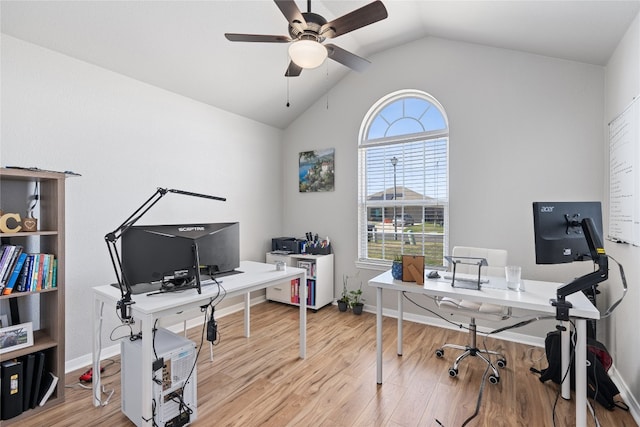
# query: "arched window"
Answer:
x=403 y=179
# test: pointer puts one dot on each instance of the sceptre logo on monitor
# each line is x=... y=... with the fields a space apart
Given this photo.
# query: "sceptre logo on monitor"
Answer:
x=197 y=228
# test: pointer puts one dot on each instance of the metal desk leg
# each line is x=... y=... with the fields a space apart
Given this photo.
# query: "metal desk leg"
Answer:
x=581 y=373
x=247 y=314
x=303 y=317
x=400 y=318
x=97 y=322
x=146 y=376
x=565 y=358
x=379 y=335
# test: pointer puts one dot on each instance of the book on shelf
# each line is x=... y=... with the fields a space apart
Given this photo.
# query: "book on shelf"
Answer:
x=23 y=278
x=11 y=383
x=13 y=278
x=10 y=256
x=38 y=373
x=47 y=387
x=5 y=251
x=36 y=272
x=28 y=365
x=295 y=291
x=35 y=283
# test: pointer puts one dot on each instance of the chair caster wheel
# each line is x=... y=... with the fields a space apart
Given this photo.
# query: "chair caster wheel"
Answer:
x=493 y=379
x=440 y=352
x=501 y=363
x=453 y=372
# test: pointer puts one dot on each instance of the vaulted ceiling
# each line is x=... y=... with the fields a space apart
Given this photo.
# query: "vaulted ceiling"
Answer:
x=180 y=45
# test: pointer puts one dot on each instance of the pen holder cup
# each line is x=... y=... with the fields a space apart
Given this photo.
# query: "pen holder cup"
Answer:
x=319 y=251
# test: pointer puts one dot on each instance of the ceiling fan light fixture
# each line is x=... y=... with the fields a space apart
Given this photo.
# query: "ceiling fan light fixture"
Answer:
x=307 y=53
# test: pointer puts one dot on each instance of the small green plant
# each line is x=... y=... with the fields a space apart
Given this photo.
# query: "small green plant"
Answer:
x=397 y=258
x=345 y=297
x=356 y=296
x=357 y=302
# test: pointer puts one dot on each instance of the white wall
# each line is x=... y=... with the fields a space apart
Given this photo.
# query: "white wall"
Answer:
x=127 y=138
x=622 y=83
x=522 y=128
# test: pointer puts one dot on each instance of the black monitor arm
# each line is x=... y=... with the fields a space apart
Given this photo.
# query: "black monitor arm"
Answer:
x=587 y=281
x=112 y=238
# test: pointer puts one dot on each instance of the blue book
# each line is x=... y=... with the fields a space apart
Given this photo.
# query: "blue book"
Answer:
x=25 y=280
x=14 y=275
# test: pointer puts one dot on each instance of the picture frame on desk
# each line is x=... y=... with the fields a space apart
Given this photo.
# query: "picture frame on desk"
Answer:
x=16 y=337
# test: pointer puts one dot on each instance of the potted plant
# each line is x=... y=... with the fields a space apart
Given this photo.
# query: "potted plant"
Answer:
x=357 y=302
x=345 y=299
x=396 y=267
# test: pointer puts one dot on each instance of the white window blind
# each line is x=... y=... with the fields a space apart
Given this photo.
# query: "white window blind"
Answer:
x=403 y=179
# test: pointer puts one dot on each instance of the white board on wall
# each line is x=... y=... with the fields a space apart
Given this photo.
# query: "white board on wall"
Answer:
x=624 y=175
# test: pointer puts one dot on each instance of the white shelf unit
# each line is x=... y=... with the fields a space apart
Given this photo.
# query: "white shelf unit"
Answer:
x=320 y=281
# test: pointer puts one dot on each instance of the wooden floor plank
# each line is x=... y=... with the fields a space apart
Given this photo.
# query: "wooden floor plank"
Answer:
x=260 y=381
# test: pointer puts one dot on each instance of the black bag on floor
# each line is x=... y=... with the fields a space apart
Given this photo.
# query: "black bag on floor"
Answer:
x=599 y=385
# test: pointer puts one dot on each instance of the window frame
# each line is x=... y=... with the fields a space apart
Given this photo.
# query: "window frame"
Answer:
x=437 y=136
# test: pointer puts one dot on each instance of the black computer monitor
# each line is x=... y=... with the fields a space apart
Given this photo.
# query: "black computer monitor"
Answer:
x=559 y=232
x=176 y=255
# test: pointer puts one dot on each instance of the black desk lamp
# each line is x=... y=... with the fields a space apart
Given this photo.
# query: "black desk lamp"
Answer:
x=112 y=237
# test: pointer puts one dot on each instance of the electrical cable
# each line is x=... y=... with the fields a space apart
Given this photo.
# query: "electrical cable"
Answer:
x=485 y=335
x=613 y=306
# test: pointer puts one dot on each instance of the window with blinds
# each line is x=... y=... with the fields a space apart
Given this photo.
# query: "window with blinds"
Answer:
x=403 y=179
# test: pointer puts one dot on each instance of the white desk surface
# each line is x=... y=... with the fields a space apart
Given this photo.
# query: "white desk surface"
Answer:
x=253 y=277
x=535 y=297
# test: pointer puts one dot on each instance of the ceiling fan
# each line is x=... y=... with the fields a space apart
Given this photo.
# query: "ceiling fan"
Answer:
x=307 y=32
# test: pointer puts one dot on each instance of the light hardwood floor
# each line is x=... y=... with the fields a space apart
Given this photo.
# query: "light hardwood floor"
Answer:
x=260 y=381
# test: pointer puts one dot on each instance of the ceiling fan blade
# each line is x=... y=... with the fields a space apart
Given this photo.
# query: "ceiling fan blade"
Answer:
x=293 y=70
x=373 y=12
x=292 y=13
x=256 y=38
x=346 y=58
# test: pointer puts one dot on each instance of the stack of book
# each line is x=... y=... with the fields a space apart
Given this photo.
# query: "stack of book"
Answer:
x=25 y=384
x=23 y=272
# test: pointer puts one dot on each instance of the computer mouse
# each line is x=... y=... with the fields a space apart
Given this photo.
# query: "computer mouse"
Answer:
x=433 y=275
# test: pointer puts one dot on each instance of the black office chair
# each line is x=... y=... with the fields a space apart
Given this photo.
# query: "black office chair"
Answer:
x=496 y=260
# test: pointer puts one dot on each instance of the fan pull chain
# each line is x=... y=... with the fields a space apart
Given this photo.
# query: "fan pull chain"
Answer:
x=288 y=93
x=327 y=81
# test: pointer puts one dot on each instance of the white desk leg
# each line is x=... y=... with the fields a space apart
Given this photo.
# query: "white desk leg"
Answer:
x=565 y=358
x=97 y=321
x=581 y=373
x=247 y=314
x=379 y=335
x=400 y=318
x=146 y=374
x=303 y=317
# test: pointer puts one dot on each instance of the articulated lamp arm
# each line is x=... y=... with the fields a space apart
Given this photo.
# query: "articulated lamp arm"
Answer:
x=112 y=238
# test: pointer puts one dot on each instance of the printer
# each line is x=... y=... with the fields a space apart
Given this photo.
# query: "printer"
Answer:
x=286 y=244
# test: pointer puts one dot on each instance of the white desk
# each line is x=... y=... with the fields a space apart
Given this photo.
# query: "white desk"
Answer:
x=147 y=309
x=535 y=298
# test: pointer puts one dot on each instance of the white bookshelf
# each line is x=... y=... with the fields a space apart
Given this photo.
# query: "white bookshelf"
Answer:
x=319 y=278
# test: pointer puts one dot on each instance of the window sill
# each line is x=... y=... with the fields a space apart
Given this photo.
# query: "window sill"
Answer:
x=371 y=265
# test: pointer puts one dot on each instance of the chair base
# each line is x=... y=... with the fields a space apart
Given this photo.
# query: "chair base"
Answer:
x=473 y=350
x=494 y=378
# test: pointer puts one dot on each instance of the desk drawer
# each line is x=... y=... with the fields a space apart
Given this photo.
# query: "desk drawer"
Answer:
x=280 y=292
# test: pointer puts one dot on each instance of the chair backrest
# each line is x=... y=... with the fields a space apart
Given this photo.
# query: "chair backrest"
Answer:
x=496 y=258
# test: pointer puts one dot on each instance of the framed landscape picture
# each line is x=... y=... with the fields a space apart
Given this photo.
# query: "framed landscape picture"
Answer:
x=316 y=170
x=15 y=337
